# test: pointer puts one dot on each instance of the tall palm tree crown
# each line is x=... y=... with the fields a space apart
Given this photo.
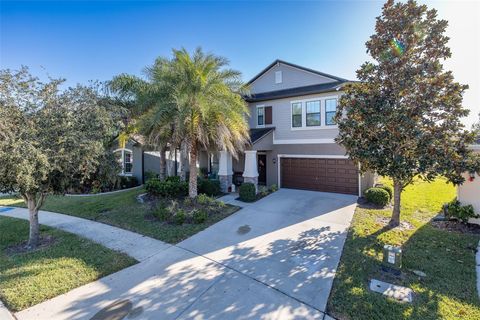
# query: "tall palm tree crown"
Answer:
x=194 y=100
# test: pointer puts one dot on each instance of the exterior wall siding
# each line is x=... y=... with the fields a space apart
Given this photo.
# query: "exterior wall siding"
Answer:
x=282 y=119
x=291 y=78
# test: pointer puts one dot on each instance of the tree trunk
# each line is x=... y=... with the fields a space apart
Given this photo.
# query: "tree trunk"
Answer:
x=183 y=161
x=34 y=235
x=192 y=184
x=397 y=191
x=163 y=163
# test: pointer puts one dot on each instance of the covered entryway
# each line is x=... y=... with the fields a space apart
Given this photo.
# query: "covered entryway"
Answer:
x=319 y=174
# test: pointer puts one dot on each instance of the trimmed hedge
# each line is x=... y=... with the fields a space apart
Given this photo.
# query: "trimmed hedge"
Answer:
x=210 y=187
x=171 y=187
x=389 y=189
x=247 y=192
x=377 y=196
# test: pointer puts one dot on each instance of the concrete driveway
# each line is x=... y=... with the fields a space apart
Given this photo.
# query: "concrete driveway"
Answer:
x=274 y=259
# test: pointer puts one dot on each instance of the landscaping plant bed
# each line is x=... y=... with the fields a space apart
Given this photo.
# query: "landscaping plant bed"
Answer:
x=457 y=226
x=248 y=195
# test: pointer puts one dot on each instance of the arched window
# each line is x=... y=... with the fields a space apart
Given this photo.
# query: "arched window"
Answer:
x=125 y=158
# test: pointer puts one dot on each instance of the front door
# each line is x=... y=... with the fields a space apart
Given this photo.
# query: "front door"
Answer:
x=262 y=169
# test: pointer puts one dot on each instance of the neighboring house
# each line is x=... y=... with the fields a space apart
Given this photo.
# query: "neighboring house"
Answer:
x=469 y=191
x=136 y=160
x=292 y=136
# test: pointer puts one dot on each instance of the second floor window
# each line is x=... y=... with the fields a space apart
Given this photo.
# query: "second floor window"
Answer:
x=264 y=115
x=261 y=116
x=313 y=113
x=296 y=114
x=330 y=111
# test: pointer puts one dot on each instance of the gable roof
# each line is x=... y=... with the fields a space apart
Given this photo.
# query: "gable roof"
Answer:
x=294 y=66
x=294 y=92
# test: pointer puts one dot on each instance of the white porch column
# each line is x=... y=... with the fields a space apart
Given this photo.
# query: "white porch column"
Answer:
x=250 y=173
x=225 y=171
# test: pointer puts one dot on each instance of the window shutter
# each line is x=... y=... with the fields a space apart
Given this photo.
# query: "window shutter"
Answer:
x=268 y=115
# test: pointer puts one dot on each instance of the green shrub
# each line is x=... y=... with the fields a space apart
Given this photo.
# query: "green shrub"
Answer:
x=273 y=188
x=247 y=192
x=187 y=201
x=263 y=191
x=203 y=199
x=175 y=179
x=377 y=196
x=128 y=182
x=150 y=175
x=162 y=213
x=209 y=187
x=455 y=210
x=171 y=187
x=199 y=216
x=180 y=216
x=389 y=189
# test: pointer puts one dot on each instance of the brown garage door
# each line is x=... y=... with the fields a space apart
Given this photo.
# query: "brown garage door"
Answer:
x=328 y=175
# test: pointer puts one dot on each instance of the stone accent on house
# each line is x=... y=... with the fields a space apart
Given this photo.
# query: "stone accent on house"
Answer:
x=225 y=171
x=225 y=182
x=250 y=173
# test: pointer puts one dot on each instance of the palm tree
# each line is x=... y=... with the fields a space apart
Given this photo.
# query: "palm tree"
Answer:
x=149 y=108
x=210 y=111
x=193 y=101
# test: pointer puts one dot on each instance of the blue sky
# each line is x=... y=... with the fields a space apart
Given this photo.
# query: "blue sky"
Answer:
x=83 y=41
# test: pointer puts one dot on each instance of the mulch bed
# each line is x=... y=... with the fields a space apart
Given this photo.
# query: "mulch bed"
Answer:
x=44 y=242
x=456 y=226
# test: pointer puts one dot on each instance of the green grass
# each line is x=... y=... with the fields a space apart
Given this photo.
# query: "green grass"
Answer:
x=69 y=262
x=122 y=210
x=448 y=259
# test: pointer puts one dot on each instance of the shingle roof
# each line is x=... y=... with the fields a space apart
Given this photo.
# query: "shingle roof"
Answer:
x=257 y=134
x=292 y=92
x=295 y=66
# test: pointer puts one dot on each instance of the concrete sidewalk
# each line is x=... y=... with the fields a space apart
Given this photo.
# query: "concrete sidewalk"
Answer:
x=135 y=245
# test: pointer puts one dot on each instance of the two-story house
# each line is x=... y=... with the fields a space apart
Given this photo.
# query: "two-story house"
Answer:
x=292 y=134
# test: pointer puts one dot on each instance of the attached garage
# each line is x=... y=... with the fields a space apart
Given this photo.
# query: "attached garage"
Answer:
x=319 y=174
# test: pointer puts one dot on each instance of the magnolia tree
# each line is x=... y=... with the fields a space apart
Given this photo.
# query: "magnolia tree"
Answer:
x=403 y=119
x=49 y=140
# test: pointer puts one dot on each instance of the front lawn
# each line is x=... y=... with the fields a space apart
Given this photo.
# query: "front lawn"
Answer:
x=63 y=262
x=122 y=210
x=448 y=259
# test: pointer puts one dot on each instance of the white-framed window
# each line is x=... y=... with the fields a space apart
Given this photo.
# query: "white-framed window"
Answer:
x=260 y=115
x=297 y=114
x=125 y=158
x=330 y=111
x=313 y=113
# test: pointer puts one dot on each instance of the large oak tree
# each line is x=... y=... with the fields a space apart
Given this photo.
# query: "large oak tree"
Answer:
x=403 y=118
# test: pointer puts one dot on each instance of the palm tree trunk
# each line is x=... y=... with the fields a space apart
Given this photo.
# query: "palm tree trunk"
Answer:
x=183 y=161
x=397 y=191
x=192 y=183
x=163 y=163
